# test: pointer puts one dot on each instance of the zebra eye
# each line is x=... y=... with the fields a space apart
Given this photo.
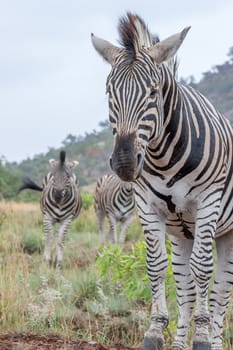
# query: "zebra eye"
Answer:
x=114 y=131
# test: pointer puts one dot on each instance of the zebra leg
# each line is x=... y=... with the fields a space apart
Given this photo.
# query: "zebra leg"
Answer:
x=100 y=220
x=62 y=230
x=221 y=291
x=156 y=268
x=125 y=224
x=112 y=234
x=48 y=230
x=185 y=288
x=201 y=266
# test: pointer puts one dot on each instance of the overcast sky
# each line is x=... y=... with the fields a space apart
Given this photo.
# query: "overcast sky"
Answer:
x=52 y=82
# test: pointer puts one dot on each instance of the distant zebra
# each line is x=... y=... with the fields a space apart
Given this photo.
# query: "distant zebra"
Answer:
x=115 y=200
x=178 y=150
x=60 y=203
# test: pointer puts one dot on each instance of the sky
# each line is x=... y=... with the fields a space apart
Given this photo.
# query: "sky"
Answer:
x=52 y=81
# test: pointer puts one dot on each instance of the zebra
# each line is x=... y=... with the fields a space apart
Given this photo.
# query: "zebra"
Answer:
x=60 y=203
x=115 y=200
x=177 y=149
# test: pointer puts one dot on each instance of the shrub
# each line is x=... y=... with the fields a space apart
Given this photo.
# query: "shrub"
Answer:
x=87 y=200
x=126 y=269
x=32 y=243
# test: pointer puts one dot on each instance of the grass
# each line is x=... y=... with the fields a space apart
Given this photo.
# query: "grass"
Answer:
x=75 y=301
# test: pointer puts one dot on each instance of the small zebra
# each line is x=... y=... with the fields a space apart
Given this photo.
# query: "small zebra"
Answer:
x=115 y=200
x=60 y=203
x=178 y=150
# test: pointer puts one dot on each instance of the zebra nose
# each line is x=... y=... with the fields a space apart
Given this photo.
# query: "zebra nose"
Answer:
x=58 y=196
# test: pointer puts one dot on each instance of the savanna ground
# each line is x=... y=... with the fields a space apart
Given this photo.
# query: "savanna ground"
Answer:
x=100 y=300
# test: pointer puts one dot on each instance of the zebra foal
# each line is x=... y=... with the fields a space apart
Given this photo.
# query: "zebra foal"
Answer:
x=60 y=203
x=178 y=150
x=115 y=200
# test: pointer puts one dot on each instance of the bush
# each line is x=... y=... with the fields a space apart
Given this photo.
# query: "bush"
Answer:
x=87 y=200
x=126 y=269
x=32 y=243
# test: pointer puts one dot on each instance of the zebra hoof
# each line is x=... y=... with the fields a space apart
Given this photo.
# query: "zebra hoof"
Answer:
x=197 y=345
x=152 y=344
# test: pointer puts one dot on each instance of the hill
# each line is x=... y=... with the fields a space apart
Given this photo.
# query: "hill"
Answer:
x=93 y=150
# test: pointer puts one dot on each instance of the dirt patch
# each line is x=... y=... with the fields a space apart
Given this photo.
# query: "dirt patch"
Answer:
x=29 y=341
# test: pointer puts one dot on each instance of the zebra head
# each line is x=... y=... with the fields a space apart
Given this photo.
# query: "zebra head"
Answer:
x=62 y=176
x=135 y=87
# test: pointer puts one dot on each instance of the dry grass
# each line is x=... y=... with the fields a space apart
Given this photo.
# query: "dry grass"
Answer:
x=26 y=280
x=16 y=207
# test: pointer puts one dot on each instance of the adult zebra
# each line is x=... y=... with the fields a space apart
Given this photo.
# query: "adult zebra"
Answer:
x=177 y=148
x=60 y=203
x=115 y=200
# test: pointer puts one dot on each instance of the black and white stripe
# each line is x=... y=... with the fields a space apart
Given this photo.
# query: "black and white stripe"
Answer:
x=115 y=200
x=60 y=203
x=175 y=146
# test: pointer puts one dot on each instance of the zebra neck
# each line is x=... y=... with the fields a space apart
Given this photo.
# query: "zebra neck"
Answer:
x=170 y=92
x=176 y=126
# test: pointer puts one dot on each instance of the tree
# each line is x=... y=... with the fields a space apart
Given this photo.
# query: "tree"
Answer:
x=230 y=55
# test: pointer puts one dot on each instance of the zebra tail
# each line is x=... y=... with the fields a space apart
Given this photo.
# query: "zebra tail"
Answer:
x=27 y=183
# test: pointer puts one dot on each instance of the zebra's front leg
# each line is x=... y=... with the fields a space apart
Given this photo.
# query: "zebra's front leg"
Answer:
x=185 y=288
x=48 y=230
x=62 y=231
x=100 y=220
x=125 y=224
x=221 y=290
x=201 y=266
x=156 y=268
x=112 y=234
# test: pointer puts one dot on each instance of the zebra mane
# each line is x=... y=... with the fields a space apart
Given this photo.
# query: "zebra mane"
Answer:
x=62 y=157
x=134 y=35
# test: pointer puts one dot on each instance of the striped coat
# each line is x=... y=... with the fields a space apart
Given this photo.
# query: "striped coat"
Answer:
x=115 y=200
x=178 y=150
x=60 y=203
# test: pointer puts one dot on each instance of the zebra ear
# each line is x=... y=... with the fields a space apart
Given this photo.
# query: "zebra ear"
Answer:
x=105 y=49
x=166 y=49
x=52 y=162
x=73 y=163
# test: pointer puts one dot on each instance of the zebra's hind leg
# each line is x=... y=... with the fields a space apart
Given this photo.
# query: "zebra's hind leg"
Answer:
x=185 y=288
x=48 y=230
x=221 y=290
x=62 y=230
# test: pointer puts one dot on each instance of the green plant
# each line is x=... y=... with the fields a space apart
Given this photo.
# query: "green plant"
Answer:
x=87 y=200
x=32 y=242
x=126 y=269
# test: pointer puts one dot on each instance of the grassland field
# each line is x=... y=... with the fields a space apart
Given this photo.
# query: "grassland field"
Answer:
x=89 y=298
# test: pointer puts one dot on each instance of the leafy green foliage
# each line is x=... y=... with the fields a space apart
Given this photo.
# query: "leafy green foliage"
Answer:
x=32 y=242
x=87 y=200
x=128 y=269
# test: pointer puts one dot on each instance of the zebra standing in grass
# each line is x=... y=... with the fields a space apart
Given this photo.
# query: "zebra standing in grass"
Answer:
x=60 y=203
x=115 y=200
x=175 y=146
